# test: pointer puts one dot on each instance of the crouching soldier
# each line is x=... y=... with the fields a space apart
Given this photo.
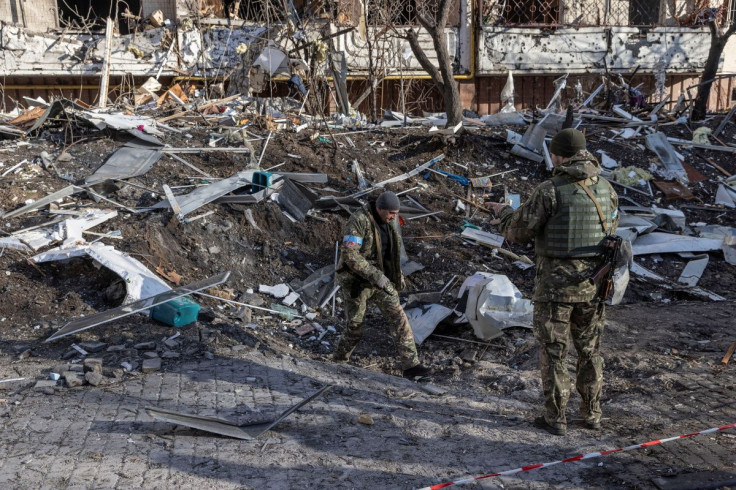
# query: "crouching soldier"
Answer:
x=370 y=267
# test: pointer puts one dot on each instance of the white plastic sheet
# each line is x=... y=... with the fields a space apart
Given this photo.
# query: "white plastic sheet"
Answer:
x=494 y=303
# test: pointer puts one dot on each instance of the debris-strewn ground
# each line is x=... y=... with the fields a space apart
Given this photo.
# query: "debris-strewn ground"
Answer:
x=663 y=348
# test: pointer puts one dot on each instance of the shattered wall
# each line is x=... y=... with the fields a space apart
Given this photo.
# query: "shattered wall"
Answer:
x=38 y=15
x=586 y=49
x=26 y=53
x=213 y=50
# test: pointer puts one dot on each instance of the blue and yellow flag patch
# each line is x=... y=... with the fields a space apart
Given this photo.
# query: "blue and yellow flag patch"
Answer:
x=352 y=241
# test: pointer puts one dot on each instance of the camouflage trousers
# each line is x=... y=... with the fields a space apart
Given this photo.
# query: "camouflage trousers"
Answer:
x=356 y=293
x=554 y=324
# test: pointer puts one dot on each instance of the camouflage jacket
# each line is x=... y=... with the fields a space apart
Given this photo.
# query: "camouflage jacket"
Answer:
x=558 y=279
x=361 y=249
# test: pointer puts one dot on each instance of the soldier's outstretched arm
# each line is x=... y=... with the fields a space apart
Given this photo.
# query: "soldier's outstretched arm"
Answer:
x=525 y=223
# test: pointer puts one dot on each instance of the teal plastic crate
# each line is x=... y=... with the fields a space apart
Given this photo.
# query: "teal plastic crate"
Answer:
x=261 y=180
x=177 y=312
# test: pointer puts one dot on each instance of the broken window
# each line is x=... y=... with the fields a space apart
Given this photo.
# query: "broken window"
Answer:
x=92 y=14
x=405 y=12
x=265 y=11
x=572 y=12
x=643 y=12
x=502 y=12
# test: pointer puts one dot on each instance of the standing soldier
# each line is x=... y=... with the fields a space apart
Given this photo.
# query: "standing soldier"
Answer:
x=568 y=216
x=371 y=267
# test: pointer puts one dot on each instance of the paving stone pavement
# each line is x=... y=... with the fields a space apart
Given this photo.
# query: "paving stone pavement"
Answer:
x=101 y=437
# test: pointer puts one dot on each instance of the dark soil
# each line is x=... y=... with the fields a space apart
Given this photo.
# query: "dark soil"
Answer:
x=38 y=299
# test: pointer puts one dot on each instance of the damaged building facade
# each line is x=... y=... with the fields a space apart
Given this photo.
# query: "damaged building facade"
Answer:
x=50 y=49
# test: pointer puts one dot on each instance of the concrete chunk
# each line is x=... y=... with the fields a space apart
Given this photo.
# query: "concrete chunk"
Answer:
x=93 y=364
x=93 y=378
x=72 y=379
x=92 y=346
x=171 y=343
x=45 y=386
x=151 y=365
x=145 y=346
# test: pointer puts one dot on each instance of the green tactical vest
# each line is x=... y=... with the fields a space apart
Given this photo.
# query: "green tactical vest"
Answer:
x=575 y=230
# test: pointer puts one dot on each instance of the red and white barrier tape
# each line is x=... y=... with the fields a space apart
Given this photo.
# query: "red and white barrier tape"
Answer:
x=579 y=457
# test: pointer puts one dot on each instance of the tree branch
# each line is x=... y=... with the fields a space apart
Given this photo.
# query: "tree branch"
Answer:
x=731 y=30
x=413 y=38
x=444 y=13
x=713 y=29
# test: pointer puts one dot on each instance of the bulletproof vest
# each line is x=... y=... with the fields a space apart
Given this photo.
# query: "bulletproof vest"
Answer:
x=575 y=230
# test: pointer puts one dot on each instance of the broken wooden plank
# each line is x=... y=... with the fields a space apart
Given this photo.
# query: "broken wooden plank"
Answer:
x=729 y=353
x=105 y=77
x=172 y=200
x=725 y=121
x=717 y=167
x=677 y=141
x=60 y=194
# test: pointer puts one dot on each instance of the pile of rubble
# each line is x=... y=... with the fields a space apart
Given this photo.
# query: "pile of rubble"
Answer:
x=238 y=203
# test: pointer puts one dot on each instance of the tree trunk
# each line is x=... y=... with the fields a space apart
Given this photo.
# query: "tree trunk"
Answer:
x=717 y=44
x=453 y=108
x=451 y=92
x=442 y=78
x=709 y=73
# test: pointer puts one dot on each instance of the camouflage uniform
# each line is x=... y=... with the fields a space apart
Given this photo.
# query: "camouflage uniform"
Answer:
x=361 y=266
x=564 y=299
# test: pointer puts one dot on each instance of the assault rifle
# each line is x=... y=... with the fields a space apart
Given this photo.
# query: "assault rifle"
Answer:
x=603 y=275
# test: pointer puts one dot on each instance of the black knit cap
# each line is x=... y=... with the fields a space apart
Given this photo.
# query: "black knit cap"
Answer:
x=388 y=200
x=567 y=142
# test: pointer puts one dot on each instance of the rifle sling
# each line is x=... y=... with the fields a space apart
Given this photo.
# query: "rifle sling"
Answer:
x=581 y=183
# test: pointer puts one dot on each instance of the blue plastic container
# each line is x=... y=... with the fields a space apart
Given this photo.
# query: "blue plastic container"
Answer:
x=261 y=180
x=177 y=312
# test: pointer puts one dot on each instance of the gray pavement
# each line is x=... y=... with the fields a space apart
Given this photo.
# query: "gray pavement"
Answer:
x=100 y=437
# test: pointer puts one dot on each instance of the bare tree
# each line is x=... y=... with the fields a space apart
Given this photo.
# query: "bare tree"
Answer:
x=718 y=40
x=442 y=76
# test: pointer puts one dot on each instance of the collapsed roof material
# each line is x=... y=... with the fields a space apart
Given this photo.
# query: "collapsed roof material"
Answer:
x=226 y=427
x=658 y=242
x=133 y=159
x=139 y=281
x=494 y=303
x=206 y=194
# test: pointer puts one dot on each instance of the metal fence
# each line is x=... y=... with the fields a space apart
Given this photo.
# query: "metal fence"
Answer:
x=605 y=12
x=493 y=12
x=343 y=12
